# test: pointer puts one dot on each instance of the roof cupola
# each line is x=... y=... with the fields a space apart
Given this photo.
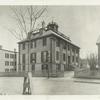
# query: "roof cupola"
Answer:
x=52 y=26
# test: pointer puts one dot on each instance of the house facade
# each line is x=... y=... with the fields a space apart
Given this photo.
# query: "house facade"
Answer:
x=8 y=60
x=48 y=52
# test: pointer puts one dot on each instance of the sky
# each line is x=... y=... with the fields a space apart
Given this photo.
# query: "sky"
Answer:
x=81 y=23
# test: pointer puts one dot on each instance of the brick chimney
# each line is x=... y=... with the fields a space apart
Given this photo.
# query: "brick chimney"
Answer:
x=41 y=30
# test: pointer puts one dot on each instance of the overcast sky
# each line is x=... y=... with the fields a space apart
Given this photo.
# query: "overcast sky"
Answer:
x=81 y=23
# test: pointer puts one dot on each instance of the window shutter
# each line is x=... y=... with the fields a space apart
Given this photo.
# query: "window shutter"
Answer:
x=35 y=57
x=41 y=56
x=47 y=56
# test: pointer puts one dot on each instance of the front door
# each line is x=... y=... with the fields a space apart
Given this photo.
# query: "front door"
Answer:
x=45 y=69
x=33 y=67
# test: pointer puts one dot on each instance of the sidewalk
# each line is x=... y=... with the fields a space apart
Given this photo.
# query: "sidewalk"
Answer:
x=70 y=76
x=83 y=80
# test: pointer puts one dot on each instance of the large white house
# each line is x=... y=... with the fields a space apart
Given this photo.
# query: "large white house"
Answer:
x=8 y=60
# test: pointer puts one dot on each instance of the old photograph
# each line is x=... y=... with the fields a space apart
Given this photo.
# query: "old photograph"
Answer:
x=49 y=50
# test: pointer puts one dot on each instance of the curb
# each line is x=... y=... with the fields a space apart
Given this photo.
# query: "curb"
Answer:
x=81 y=81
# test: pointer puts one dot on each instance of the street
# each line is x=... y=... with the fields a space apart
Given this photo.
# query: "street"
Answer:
x=52 y=86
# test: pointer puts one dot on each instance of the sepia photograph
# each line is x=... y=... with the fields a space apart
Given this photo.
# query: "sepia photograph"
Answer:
x=49 y=50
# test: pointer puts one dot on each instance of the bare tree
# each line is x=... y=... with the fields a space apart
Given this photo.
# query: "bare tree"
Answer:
x=92 y=61
x=26 y=21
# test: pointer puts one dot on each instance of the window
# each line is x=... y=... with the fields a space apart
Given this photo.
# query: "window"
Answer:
x=11 y=55
x=15 y=63
x=33 y=67
x=23 y=46
x=11 y=63
x=31 y=44
x=73 y=59
x=76 y=59
x=68 y=47
x=44 y=41
x=23 y=67
x=58 y=67
x=33 y=58
x=64 y=67
x=23 y=59
x=6 y=55
x=6 y=63
x=64 y=57
x=77 y=51
x=35 y=44
x=12 y=70
x=58 y=43
x=6 y=70
x=44 y=67
x=57 y=55
x=15 y=55
x=73 y=50
x=68 y=59
x=44 y=56
x=64 y=46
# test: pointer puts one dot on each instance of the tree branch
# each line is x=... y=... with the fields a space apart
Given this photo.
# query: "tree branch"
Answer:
x=25 y=25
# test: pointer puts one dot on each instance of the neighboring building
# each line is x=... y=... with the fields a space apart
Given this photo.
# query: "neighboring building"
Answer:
x=98 y=44
x=8 y=60
x=50 y=52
